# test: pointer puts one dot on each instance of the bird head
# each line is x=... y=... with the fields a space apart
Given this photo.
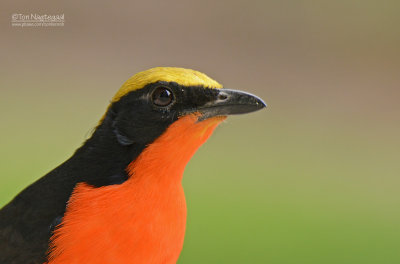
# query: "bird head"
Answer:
x=150 y=101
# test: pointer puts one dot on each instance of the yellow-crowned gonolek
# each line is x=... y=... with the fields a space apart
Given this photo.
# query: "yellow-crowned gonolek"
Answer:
x=119 y=198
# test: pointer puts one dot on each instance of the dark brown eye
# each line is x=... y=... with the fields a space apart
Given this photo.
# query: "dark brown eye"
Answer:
x=162 y=96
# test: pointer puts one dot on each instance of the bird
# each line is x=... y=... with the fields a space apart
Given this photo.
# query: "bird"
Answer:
x=119 y=197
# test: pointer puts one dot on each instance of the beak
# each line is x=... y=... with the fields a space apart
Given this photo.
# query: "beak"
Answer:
x=231 y=102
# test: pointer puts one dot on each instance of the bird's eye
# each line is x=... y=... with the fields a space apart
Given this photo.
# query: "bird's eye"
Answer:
x=162 y=96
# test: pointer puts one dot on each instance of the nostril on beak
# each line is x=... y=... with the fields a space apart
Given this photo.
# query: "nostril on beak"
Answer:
x=222 y=96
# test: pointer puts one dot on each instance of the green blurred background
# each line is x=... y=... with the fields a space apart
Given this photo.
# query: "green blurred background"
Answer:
x=314 y=178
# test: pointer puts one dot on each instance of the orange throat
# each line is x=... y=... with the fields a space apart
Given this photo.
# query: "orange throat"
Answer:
x=142 y=220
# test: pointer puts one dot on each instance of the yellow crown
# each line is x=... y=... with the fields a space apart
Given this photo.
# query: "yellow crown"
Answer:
x=184 y=77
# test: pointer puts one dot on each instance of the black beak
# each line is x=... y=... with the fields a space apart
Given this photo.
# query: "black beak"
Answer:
x=231 y=102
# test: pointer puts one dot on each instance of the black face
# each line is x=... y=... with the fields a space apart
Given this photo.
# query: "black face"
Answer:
x=143 y=115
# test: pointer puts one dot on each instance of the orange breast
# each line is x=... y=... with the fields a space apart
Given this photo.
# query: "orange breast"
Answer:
x=142 y=220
